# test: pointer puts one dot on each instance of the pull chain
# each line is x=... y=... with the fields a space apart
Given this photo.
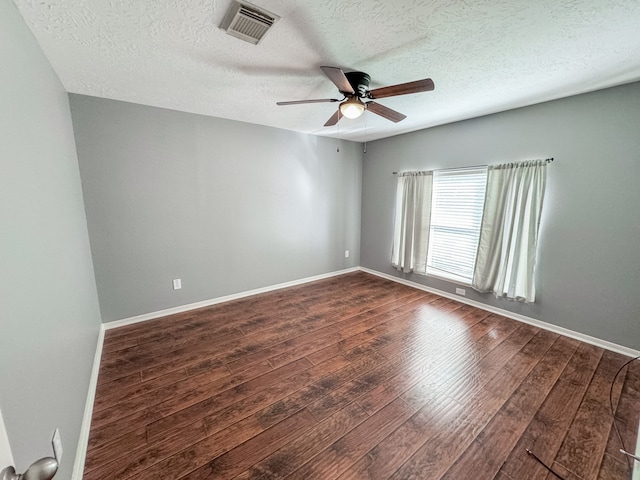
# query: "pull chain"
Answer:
x=365 y=135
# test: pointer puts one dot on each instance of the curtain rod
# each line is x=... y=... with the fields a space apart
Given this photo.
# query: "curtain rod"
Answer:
x=548 y=160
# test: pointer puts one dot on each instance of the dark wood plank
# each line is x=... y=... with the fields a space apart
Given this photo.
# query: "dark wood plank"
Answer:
x=100 y=456
x=488 y=451
x=612 y=468
x=545 y=433
x=198 y=454
x=232 y=404
x=437 y=454
x=586 y=440
x=627 y=414
x=250 y=452
x=389 y=454
x=143 y=456
x=180 y=394
x=355 y=377
x=114 y=394
x=343 y=453
x=482 y=335
x=299 y=451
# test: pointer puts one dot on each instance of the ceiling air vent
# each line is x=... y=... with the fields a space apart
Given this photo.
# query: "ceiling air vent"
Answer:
x=248 y=22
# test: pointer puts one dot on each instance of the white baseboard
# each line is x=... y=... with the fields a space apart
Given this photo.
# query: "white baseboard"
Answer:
x=226 y=298
x=83 y=440
x=514 y=316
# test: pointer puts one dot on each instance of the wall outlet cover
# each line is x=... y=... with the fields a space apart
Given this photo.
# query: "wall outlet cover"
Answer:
x=461 y=291
x=177 y=284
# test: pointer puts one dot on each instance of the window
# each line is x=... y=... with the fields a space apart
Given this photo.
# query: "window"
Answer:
x=456 y=215
x=477 y=226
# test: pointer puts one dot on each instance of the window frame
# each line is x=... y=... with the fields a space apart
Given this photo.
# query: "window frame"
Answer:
x=475 y=216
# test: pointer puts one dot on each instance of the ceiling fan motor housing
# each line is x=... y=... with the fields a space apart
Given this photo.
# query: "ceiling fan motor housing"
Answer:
x=360 y=83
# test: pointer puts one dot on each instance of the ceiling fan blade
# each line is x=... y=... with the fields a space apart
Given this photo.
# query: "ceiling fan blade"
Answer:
x=335 y=118
x=385 y=112
x=338 y=77
x=298 y=102
x=418 y=86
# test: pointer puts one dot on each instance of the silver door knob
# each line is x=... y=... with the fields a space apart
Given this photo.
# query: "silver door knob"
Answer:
x=43 y=469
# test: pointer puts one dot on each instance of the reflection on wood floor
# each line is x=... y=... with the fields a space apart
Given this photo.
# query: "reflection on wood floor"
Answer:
x=355 y=377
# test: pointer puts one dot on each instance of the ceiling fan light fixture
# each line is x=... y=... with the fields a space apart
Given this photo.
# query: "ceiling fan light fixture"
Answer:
x=352 y=108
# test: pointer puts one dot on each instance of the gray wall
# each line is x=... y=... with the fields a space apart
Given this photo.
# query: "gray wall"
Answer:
x=49 y=315
x=225 y=206
x=588 y=270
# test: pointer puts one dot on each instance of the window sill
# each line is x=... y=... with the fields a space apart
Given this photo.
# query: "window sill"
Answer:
x=447 y=277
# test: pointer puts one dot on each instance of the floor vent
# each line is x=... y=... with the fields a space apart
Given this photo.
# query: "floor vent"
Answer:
x=248 y=22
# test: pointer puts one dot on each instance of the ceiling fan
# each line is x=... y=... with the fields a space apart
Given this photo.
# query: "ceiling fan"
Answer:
x=354 y=86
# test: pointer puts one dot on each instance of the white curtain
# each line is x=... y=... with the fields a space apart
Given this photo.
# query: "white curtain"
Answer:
x=411 y=227
x=509 y=232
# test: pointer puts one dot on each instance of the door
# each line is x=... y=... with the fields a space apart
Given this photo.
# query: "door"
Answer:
x=6 y=458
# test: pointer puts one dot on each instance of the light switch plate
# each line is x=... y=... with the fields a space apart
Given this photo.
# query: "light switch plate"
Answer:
x=56 y=442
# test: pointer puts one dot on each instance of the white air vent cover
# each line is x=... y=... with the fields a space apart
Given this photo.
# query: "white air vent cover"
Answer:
x=248 y=22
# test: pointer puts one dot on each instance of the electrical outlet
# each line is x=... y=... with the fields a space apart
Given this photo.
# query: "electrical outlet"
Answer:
x=461 y=291
x=346 y=254
x=56 y=442
x=177 y=284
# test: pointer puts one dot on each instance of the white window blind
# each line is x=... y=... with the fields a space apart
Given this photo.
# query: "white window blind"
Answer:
x=456 y=216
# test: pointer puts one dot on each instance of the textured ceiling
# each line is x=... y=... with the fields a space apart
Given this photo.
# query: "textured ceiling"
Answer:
x=484 y=56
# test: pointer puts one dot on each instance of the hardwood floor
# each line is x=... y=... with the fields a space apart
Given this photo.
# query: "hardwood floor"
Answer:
x=356 y=377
